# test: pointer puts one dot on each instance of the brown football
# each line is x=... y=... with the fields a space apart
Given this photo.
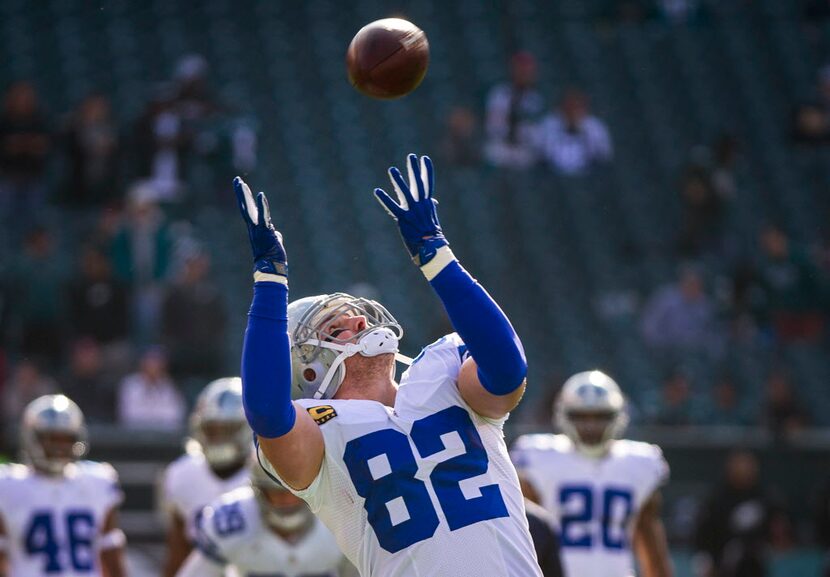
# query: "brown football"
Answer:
x=388 y=58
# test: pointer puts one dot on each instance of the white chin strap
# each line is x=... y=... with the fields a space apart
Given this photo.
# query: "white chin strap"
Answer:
x=377 y=342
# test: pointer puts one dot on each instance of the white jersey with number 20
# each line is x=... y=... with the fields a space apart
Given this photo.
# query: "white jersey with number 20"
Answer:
x=424 y=488
x=594 y=501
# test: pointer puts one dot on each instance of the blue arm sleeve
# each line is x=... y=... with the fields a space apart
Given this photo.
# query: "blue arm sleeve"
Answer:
x=266 y=363
x=485 y=329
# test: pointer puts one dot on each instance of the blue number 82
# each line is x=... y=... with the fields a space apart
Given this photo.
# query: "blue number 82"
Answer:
x=382 y=466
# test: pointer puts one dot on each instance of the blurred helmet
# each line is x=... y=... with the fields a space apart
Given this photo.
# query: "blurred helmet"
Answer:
x=590 y=410
x=53 y=433
x=317 y=355
x=218 y=423
x=280 y=509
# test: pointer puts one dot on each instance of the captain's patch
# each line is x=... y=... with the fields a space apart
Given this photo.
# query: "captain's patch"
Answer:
x=322 y=414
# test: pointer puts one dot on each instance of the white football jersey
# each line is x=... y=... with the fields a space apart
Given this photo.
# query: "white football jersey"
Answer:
x=594 y=501
x=53 y=524
x=424 y=488
x=232 y=534
x=189 y=484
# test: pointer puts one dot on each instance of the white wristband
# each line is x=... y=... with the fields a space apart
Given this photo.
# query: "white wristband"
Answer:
x=443 y=257
x=112 y=540
x=265 y=277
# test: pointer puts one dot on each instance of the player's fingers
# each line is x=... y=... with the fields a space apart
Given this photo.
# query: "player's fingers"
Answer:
x=427 y=176
x=401 y=189
x=416 y=187
x=387 y=203
x=264 y=209
x=245 y=200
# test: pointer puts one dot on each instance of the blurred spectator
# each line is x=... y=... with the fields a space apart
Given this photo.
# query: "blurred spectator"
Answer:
x=193 y=101
x=194 y=322
x=87 y=380
x=513 y=111
x=26 y=384
x=701 y=217
x=161 y=146
x=791 y=288
x=25 y=141
x=141 y=255
x=733 y=527
x=675 y=409
x=783 y=413
x=108 y=224
x=811 y=124
x=680 y=316
x=37 y=306
x=99 y=303
x=725 y=154
x=461 y=142
x=148 y=399
x=92 y=149
x=572 y=139
x=811 y=121
x=726 y=404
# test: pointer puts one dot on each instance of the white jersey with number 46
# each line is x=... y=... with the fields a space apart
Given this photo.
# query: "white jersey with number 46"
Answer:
x=53 y=524
x=422 y=488
x=594 y=501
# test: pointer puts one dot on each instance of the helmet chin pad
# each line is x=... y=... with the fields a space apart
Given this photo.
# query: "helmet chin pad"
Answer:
x=322 y=377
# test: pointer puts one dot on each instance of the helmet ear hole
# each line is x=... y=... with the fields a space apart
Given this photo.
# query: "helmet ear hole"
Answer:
x=310 y=375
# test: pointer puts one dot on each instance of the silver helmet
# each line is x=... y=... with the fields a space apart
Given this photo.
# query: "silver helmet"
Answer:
x=291 y=517
x=46 y=418
x=317 y=355
x=595 y=394
x=219 y=425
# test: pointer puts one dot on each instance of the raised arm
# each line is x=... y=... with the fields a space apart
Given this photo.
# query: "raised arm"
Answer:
x=289 y=438
x=492 y=381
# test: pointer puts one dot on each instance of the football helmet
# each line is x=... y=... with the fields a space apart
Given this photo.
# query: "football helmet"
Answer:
x=53 y=433
x=317 y=355
x=591 y=411
x=280 y=509
x=219 y=425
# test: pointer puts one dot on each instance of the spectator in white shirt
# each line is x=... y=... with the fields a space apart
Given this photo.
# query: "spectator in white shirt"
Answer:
x=148 y=399
x=572 y=139
x=513 y=112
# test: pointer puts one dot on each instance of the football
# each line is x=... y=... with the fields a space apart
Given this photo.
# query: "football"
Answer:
x=388 y=58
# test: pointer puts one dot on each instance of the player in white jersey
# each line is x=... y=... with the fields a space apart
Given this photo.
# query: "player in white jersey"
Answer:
x=263 y=530
x=603 y=492
x=214 y=463
x=413 y=480
x=58 y=514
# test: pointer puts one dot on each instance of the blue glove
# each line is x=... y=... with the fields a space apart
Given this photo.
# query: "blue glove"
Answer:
x=415 y=209
x=266 y=241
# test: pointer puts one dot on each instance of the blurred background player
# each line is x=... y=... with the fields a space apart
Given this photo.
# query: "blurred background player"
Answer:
x=263 y=530
x=348 y=448
x=58 y=514
x=213 y=464
x=603 y=493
